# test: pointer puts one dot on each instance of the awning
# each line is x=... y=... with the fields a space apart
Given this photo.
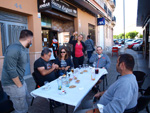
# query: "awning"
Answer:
x=89 y=6
x=143 y=12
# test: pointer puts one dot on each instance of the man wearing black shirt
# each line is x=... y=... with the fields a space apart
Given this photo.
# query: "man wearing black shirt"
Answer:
x=44 y=68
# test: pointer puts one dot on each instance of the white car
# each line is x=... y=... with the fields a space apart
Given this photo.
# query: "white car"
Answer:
x=133 y=41
x=138 y=46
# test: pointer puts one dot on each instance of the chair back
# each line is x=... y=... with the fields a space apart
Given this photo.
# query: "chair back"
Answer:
x=115 y=49
x=35 y=79
x=140 y=77
x=144 y=100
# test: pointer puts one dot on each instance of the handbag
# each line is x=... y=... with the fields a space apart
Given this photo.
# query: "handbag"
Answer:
x=92 y=46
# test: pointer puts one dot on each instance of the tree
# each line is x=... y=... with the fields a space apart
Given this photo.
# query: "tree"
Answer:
x=131 y=35
x=115 y=37
x=141 y=36
x=121 y=35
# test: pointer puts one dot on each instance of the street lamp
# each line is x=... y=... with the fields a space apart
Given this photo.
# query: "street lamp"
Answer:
x=124 y=18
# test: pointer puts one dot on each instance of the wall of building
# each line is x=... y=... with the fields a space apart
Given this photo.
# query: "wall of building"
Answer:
x=26 y=8
x=82 y=23
x=62 y=26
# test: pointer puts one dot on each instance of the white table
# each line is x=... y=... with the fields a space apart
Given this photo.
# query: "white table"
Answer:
x=74 y=96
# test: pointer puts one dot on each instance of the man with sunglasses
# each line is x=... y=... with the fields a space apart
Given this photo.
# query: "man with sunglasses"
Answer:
x=44 y=68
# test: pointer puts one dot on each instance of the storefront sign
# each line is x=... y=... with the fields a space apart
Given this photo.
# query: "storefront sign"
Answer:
x=101 y=21
x=44 y=5
x=64 y=7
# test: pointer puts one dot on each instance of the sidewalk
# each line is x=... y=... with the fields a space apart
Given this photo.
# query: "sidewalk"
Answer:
x=41 y=105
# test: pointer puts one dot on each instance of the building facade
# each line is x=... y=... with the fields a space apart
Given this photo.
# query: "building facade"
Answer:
x=143 y=20
x=54 y=18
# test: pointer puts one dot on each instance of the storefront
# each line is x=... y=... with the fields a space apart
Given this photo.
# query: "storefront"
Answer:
x=14 y=17
x=57 y=22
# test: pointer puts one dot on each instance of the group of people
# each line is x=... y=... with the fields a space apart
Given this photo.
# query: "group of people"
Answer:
x=120 y=96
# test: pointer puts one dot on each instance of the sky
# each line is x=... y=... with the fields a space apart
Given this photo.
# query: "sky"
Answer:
x=130 y=16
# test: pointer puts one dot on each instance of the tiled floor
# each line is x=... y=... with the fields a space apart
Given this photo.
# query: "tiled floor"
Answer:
x=41 y=105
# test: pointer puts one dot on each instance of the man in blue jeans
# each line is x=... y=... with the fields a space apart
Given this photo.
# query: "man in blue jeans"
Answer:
x=89 y=46
x=13 y=71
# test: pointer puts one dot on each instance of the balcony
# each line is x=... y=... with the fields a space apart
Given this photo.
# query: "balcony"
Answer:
x=113 y=21
x=112 y=3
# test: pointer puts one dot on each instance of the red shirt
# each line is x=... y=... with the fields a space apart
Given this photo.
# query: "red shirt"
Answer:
x=78 y=50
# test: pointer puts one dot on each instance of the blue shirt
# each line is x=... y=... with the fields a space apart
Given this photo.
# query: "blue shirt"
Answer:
x=121 y=95
x=104 y=61
x=14 y=64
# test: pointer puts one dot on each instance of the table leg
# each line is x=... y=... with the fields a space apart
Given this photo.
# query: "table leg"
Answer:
x=66 y=108
x=51 y=108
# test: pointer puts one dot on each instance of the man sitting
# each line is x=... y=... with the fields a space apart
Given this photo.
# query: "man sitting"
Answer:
x=121 y=95
x=44 y=68
x=102 y=60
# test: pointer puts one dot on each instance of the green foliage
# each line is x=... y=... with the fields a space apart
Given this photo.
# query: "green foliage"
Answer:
x=115 y=37
x=121 y=35
x=131 y=35
x=141 y=36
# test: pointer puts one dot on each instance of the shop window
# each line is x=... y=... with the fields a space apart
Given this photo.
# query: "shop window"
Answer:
x=10 y=34
x=46 y=22
x=92 y=32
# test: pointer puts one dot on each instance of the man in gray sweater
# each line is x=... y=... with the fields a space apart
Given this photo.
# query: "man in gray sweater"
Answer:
x=13 y=71
x=122 y=95
x=101 y=60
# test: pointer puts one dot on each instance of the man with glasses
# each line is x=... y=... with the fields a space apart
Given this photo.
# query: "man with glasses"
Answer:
x=101 y=60
x=44 y=68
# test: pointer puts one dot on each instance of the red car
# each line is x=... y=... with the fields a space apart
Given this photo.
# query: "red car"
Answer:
x=130 y=46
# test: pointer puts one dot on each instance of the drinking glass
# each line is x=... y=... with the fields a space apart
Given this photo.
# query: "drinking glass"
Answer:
x=94 y=64
x=59 y=82
x=92 y=76
x=72 y=70
x=80 y=66
x=96 y=70
x=87 y=65
x=83 y=65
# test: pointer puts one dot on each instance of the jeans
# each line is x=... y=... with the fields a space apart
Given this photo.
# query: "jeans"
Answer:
x=19 y=96
x=78 y=61
x=89 y=53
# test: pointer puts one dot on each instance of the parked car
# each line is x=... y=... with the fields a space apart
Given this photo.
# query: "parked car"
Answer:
x=138 y=47
x=130 y=45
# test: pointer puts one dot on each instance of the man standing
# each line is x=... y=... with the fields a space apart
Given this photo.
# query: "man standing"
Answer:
x=122 y=95
x=89 y=46
x=101 y=60
x=44 y=68
x=13 y=72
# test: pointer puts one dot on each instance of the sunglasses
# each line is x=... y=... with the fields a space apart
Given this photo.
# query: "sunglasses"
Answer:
x=62 y=52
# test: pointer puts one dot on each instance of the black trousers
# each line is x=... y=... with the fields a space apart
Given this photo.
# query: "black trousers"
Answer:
x=78 y=61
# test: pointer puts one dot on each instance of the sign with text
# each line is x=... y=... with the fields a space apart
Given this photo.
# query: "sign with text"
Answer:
x=44 y=5
x=101 y=21
x=64 y=7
